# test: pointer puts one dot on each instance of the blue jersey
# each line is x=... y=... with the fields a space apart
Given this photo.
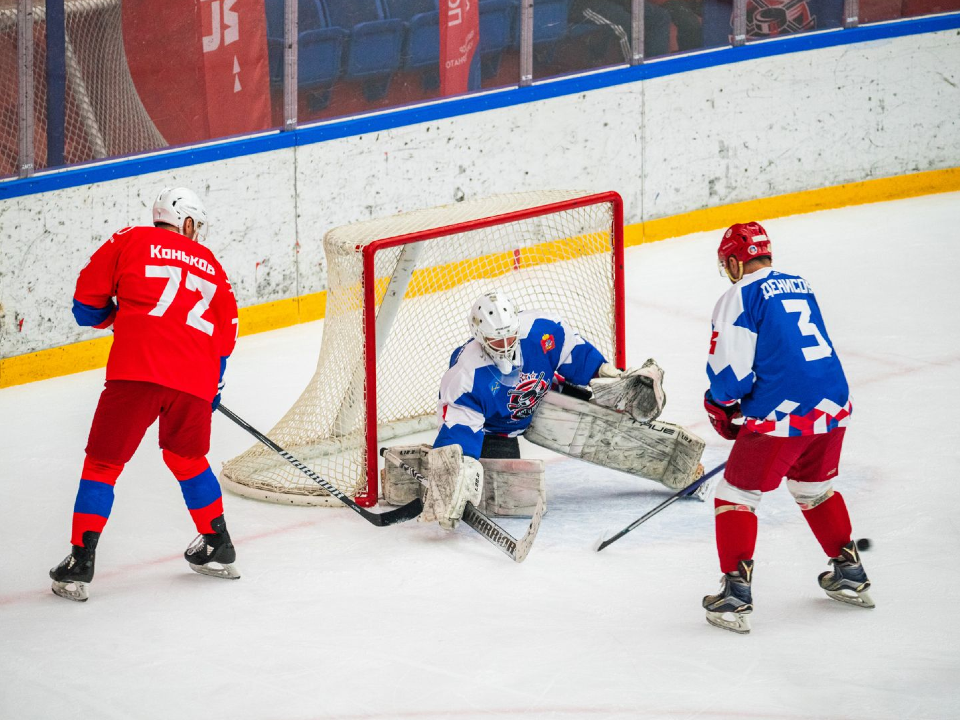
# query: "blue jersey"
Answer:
x=476 y=398
x=770 y=350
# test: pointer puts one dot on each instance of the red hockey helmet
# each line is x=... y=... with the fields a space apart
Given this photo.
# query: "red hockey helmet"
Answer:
x=745 y=242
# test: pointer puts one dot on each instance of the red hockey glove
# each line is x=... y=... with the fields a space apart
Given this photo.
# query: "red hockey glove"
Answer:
x=722 y=417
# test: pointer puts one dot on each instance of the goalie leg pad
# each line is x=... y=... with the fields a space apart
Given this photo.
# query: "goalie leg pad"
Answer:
x=663 y=452
x=399 y=487
x=512 y=488
x=454 y=481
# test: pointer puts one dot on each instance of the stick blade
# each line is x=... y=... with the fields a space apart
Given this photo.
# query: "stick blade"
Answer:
x=603 y=541
x=526 y=542
x=401 y=514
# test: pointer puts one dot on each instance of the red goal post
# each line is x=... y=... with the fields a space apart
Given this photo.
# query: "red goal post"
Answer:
x=399 y=290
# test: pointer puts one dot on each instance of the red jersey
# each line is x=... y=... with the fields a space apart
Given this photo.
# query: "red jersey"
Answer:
x=176 y=314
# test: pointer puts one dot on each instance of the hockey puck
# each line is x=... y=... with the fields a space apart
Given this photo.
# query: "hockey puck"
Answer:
x=864 y=544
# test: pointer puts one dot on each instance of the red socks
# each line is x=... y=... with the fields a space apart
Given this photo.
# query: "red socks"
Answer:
x=736 y=533
x=830 y=523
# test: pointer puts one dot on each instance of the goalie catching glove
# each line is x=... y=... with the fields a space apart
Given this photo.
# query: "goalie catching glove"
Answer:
x=454 y=481
x=636 y=391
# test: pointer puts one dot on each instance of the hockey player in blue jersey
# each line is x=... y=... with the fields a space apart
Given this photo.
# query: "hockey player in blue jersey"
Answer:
x=497 y=379
x=494 y=385
x=772 y=366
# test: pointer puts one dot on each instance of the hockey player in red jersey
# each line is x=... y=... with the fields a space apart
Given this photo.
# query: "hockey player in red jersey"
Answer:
x=771 y=364
x=174 y=320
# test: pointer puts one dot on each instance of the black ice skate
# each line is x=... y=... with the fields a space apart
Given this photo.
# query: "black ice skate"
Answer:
x=728 y=609
x=213 y=554
x=847 y=582
x=71 y=576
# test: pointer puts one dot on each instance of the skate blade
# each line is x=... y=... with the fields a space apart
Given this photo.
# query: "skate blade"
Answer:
x=852 y=597
x=734 y=622
x=78 y=593
x=227 y=572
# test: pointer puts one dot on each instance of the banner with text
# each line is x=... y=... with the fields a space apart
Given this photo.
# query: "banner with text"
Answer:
x=459 y=40
x=200 y=68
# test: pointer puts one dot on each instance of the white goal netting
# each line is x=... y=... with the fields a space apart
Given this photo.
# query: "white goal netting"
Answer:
x=104 y=116
x=558 y=260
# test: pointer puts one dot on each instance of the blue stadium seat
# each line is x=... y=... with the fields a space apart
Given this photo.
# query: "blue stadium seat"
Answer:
x=497 y=19
x=421 y=48
x=319 y=49
x=373 y=50
x=422 y=45
x=550 y=25
x=274 y=10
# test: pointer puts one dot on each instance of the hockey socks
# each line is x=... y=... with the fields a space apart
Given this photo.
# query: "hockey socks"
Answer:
x=201 y=491
x=94 y=498
x=736 y=527
x=830 y=523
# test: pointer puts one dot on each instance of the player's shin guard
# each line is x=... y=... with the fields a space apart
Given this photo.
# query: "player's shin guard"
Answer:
x=826 y=514
x=736 y=524
x=201 y=491
x=94 y=498
x=736 y=527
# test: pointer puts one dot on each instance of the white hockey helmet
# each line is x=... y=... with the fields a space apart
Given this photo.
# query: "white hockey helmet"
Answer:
x=174 y=205
x=495 y=324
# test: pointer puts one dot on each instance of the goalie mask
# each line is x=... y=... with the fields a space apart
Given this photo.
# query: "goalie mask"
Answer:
x=745 y=242
x=174 y=205
x=495 y=324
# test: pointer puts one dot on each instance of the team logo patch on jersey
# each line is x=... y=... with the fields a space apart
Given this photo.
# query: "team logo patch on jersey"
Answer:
x=523 y=399
x=547 y=343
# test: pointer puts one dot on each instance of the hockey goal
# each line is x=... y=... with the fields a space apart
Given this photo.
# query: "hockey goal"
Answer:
x=399 y=291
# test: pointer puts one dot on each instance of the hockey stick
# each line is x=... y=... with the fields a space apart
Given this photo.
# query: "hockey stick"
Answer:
x=514 y=549
x=391 y=517
x=688 y=490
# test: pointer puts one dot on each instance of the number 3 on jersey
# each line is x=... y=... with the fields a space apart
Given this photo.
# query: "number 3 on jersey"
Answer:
x=815 y=352
x=173 y=275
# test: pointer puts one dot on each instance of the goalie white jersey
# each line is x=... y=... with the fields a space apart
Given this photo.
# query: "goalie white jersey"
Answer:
x=477 y=399
x=770 y=350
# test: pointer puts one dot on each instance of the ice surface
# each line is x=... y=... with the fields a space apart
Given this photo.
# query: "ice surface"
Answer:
x=335 y=618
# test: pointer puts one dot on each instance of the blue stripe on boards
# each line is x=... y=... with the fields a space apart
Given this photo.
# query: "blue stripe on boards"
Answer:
x=94 y=498
x=400 y=117
x=200 y=491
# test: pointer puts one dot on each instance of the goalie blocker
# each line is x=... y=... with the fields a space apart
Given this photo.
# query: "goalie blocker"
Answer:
x=660 y=451
x=511 y=487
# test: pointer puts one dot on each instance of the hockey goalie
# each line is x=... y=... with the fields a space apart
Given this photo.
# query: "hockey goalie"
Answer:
x=514 y=377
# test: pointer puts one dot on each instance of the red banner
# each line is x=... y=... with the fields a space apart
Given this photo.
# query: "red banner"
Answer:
x=459 y=39
x=200 y=68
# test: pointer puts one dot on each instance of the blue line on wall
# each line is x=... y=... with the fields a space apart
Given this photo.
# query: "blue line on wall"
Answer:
x=117 y=168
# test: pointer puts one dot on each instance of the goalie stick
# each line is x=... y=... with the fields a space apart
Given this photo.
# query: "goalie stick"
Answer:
x=391 y=517
x=514 y=549
x=688 y=490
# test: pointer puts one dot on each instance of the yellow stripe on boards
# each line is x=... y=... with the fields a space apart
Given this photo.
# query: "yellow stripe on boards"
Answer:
x=64 y=360
x=798 y=203
x=92 y=354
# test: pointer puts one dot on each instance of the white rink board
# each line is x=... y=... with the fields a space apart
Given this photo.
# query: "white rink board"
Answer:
x=669 y=145
x=335 y=618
